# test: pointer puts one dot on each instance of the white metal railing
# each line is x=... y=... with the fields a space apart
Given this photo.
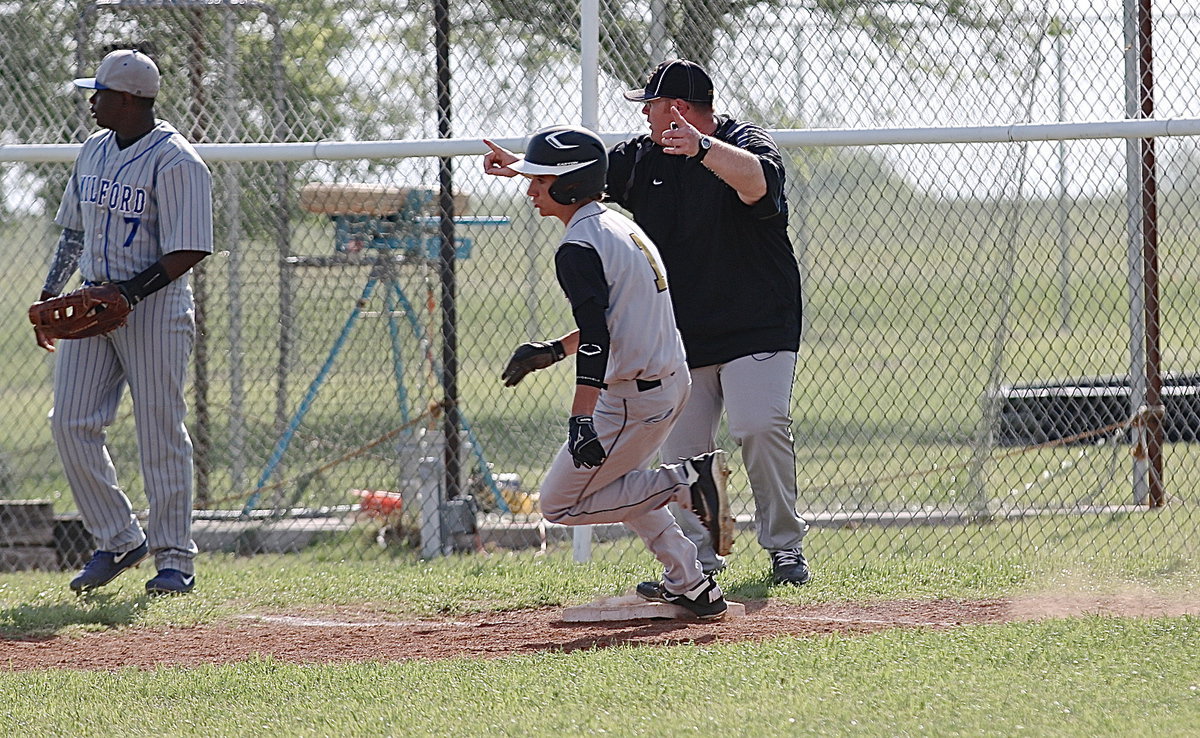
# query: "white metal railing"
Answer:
x=785 y=137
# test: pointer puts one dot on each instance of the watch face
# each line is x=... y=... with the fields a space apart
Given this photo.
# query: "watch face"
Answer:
x=705 y=142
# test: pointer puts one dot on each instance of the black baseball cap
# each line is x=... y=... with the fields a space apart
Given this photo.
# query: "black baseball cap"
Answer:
x=676 y=78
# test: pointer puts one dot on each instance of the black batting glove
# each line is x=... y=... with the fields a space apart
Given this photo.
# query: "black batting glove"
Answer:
x=583 y=443
x=530 y=357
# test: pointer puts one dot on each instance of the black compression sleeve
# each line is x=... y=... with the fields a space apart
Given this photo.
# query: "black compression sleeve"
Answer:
x=144 y=284
x=591 y=362
x=580 y=272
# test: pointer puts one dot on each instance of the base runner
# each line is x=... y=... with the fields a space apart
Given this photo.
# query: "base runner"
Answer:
x=631 y=373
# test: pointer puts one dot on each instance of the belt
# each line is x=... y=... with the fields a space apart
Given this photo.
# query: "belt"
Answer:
x=631 y=387
x=647 y=384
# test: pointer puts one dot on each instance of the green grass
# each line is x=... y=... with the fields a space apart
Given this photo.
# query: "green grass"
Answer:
x=1083 y=677
x=1087 y=555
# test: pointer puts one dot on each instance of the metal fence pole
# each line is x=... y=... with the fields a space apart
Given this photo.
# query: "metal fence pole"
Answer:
x=452 y=456
x=589 y=38
x=1149 y=194
x=1134 y=223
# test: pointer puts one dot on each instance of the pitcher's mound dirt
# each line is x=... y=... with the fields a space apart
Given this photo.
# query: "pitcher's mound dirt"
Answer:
x=342 y=634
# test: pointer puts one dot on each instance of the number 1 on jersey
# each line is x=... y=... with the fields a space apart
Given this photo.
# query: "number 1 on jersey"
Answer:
x=660 y=279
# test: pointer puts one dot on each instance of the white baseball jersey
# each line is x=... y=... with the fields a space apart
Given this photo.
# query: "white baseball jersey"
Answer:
x=631 y=418
x=136 y=204
x=641 y=320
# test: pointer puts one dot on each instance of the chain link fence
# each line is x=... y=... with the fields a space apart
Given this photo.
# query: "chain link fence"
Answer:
x=973 y=348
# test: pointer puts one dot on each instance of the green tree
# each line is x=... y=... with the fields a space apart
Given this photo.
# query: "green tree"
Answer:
x=695 y=25
x=225 y=75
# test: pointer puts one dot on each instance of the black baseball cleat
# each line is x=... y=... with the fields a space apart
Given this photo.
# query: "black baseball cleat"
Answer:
x=710 y=500
x=106 y=566
x=789 y=567
x=705 y=601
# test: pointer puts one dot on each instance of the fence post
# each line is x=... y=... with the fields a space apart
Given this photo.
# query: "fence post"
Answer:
x=589 y=43
x=429 y=498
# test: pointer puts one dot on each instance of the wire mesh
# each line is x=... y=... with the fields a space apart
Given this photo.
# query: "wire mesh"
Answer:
x=970 y=309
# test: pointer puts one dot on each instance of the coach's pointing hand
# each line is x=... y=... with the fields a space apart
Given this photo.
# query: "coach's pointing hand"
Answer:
x=497 y=160
x=682 y=138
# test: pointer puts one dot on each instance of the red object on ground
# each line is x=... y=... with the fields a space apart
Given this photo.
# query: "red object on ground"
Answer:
x=378 y=503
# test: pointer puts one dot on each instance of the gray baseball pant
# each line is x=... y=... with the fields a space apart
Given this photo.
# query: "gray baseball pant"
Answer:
x=756 y=394
x=631 y=425
x=150 y=355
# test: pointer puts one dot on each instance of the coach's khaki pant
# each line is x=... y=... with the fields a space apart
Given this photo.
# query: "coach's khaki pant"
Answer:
x=755 y=392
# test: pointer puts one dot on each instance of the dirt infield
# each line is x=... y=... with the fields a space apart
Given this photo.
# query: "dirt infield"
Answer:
x=344 y=635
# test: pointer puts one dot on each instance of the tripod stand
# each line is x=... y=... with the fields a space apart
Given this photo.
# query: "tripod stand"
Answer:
x=392 y=248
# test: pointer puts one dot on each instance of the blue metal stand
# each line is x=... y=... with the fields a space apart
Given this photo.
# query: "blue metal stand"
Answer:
x=364 y=231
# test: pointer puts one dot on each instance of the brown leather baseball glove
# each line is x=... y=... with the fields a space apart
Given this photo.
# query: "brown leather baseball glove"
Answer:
x=88 y=311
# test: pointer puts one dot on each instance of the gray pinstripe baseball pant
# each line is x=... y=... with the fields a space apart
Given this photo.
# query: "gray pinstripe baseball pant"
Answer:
x=631 y=426
x=150 y=355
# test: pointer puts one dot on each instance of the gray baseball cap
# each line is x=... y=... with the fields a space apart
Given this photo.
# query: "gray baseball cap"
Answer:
x=676 y=78
x=124 y=70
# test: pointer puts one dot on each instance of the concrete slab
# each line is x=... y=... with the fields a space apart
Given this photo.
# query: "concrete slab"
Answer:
x=24 y=558
x=631 y=607
x=287 y=535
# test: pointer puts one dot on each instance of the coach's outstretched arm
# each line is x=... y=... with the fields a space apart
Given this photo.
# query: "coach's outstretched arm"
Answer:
x=496 y=161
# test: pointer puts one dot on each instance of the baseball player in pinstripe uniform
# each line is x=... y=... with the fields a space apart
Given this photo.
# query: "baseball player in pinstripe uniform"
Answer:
x=137 y=212
x=631 y=373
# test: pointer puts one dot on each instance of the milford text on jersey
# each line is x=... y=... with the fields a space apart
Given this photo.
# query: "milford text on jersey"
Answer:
x=111 y=194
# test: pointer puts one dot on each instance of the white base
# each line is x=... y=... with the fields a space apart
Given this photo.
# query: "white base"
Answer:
x=631 y=607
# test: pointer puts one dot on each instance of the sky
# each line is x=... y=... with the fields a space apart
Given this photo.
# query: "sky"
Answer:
x=800 y=71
